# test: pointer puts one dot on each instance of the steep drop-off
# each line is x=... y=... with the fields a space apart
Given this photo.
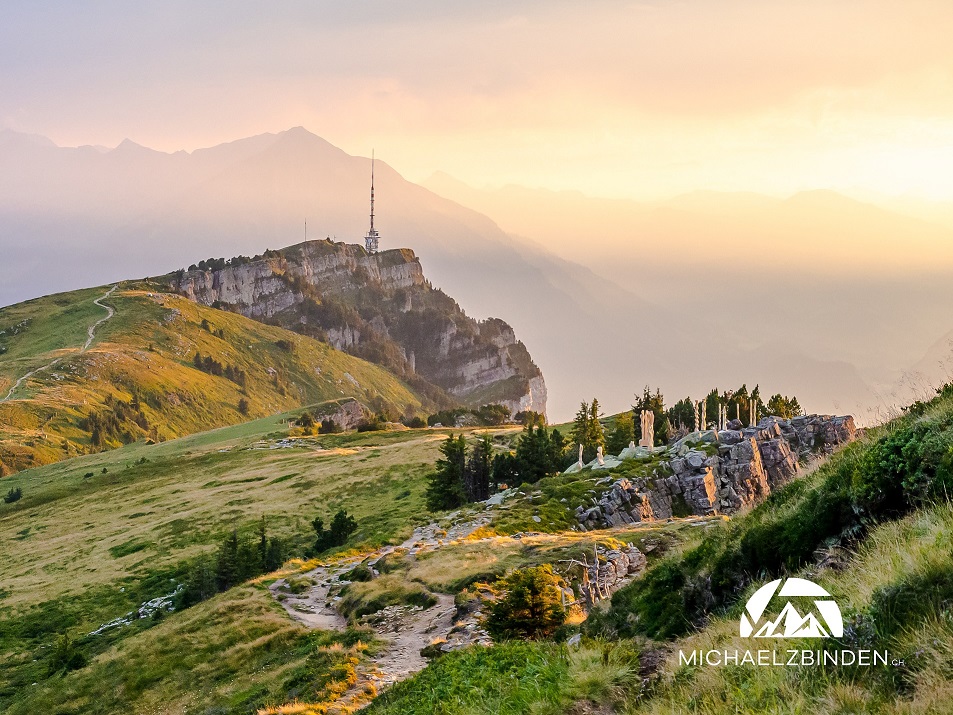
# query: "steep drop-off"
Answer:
x=379 y=307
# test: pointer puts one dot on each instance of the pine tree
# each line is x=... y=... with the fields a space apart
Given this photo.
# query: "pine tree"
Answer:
x=580 y=426
x=227 y=567
x=557 y=451
x=531 y=606
x=505 y=469
x=587 y=430
x=445 y=487
x=478 y=469
x=262 y=543
x=532 y=454
x=597 y=437
x=622 y=433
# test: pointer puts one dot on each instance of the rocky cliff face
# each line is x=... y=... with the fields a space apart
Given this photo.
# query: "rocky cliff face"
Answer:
x=379 y=307
x=716 y=472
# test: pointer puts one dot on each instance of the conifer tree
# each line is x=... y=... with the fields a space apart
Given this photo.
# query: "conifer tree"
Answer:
x=597 y=437
x=580 y=426
x=226 y=569
x=622 y=433
x=445 y=487
x=478 y=469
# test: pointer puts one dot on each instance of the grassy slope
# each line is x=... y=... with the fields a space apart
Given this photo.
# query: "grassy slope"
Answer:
x=82 y=551
x=79 y=551
x=895 y=589
x=149 y=344
x=187 y=493
x=235 y=653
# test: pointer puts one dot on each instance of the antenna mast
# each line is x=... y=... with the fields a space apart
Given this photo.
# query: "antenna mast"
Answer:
x=372 y=239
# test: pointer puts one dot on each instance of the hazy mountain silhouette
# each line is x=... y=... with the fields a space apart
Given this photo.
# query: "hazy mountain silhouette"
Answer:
x=74 y=217
x=819 y=273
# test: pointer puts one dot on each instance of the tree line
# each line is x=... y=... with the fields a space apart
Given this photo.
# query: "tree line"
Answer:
x=467 y=473
x=114 y=421
x=675 y=421
x=464 y=475
x=206 y=363
x=239 y=558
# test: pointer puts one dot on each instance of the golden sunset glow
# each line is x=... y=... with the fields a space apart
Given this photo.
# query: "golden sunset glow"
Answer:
x=618 y=99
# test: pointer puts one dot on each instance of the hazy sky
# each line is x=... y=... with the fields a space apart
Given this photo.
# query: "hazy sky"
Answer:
x=634 y=99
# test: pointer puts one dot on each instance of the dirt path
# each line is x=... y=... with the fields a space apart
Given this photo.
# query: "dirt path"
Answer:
x=409 y=631
x=312 y=608
x=110 y=312
x=405 y=630
x=91 y=332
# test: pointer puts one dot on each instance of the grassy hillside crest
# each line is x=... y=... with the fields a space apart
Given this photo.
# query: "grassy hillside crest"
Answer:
x=142 y=362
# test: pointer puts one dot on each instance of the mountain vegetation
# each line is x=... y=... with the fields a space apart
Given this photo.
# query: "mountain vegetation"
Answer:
x=870 y=525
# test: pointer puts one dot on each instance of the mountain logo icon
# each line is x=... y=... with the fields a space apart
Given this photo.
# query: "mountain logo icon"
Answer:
x=822 y=622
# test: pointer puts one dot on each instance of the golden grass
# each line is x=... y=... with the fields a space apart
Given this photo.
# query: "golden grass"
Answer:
x=183 y=499
x=150 y=343
x=891 y=552
x=232 y=643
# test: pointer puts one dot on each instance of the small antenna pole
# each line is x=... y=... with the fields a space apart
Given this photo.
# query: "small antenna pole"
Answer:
x=372 y=239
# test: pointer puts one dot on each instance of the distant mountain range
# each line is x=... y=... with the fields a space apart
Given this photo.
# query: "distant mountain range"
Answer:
x=604 y=306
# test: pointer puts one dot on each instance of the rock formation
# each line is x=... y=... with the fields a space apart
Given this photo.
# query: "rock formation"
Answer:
x=717 y=472
x=379 y=307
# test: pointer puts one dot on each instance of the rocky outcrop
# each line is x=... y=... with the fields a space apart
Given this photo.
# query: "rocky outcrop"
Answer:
x=712 y=472
x=346 y=416
x=379 y=307
x=609 y=570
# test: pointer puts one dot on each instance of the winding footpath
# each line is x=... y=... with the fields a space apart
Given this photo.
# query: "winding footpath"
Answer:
x=91 y=332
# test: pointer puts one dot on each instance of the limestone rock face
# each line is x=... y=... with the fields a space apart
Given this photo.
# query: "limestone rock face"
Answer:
x=380 y=307
x=722 y=473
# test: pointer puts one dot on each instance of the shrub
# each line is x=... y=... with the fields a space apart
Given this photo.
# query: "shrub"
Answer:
x=65 y=656
x=359 y=573
x=13 y=495
x=329 y=426
x=342 y=526
x=531 y=605
x=374 y=423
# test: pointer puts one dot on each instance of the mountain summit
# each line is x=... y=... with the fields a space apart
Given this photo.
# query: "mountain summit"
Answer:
x=378 y=306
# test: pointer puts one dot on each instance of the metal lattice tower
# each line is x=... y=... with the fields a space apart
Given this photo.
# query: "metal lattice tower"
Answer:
x=372 y=239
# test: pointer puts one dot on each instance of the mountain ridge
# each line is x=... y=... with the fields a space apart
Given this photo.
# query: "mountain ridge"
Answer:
x=381 y=307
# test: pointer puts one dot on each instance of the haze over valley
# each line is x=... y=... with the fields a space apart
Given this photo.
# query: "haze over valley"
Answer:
x=819 y=295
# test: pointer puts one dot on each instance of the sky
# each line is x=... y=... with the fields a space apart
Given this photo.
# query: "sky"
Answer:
x=616 y=99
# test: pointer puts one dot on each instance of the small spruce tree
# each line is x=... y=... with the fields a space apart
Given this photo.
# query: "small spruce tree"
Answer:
x=622 y=433
x=445 y=488
x=530 y=607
